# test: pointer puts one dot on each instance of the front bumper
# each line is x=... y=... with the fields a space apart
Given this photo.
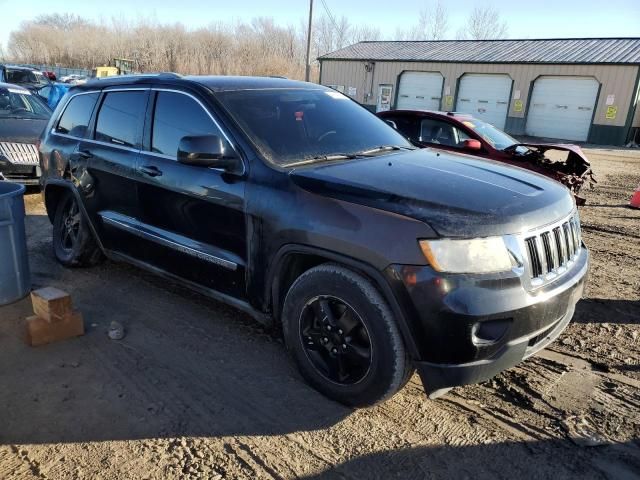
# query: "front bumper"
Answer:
x=25 y=174
x=468 y=328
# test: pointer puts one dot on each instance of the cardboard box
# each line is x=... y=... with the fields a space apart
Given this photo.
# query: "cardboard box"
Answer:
x=51 y=304
x=40 y=331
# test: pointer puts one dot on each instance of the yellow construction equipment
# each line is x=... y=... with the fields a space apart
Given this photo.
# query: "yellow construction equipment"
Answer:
x=117 y=66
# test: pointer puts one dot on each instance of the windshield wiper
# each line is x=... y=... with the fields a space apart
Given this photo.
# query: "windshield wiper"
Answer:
x=383 y=148
x=350 y=156
x=325 y=158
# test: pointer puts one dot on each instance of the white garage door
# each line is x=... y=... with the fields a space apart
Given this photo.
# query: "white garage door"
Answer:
x=485 y=97
x=419 y=91
x=562 y=107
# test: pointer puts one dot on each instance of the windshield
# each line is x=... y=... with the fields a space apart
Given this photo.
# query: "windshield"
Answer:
x=496 y=138
x=16 y=103
x=293 y=125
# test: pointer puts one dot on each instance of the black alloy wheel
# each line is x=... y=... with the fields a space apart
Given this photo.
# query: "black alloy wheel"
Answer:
x=336 y=340
x=73 y=242
x=69 y=228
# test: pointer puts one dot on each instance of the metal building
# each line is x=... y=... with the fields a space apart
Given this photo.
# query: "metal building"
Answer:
x=582 y=89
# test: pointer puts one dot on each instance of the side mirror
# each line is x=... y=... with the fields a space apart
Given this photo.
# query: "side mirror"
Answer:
x=472 y=144
x=207 y=151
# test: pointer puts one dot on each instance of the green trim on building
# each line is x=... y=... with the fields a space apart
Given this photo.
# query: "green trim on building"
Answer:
x=608 y=135
x=515 y=125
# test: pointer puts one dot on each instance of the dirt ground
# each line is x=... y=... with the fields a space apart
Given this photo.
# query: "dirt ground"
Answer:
x=198 y=390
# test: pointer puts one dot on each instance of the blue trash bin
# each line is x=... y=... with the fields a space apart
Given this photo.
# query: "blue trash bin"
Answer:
x=15 y=281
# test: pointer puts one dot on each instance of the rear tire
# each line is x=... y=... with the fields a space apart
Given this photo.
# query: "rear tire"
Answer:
x=343 y=337
x=73 y=242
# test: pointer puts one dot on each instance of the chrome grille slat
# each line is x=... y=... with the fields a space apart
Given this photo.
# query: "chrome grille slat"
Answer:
x=559 y=245
x=567 y=239
x=550 y=251
x=551 y=259
x=534 y=257
x=19 y=153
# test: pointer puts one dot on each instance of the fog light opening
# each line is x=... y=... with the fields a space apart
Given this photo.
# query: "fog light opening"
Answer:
x=489 y=332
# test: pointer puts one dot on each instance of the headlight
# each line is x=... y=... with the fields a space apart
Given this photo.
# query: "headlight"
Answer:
x=479 y=255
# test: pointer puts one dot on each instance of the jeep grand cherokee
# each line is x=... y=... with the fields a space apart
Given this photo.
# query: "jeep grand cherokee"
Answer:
x=295 y=204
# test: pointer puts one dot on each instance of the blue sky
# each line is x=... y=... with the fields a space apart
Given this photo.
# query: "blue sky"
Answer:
x=530 y=19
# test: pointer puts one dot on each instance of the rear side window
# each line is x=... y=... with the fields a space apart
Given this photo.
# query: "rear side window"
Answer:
x=176 y=116
x=75 y=118
x=120 y=118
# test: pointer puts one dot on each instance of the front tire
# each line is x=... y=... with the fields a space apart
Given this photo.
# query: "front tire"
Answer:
x=73 y=242
x=343 y=337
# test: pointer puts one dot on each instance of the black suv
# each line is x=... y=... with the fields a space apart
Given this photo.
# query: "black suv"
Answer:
x=295 y=204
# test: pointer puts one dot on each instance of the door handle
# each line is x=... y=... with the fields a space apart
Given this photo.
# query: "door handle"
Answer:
x=85 y=154
x=151 y=171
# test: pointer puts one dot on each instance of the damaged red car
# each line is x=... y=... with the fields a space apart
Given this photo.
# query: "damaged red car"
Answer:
x=462 y=132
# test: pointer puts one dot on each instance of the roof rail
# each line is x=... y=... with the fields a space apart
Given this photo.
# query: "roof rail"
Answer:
x=134 y=76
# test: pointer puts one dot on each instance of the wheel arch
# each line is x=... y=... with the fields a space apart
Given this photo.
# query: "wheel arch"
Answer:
x=292 y=260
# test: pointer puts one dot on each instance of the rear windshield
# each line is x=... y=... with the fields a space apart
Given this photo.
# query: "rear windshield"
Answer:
x=292 y=125
x=21 y=76
x=15 y=103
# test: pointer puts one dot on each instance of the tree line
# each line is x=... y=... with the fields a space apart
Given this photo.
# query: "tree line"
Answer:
x=256 y=47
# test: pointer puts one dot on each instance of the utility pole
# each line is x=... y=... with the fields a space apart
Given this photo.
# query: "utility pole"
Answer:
x=307 y=71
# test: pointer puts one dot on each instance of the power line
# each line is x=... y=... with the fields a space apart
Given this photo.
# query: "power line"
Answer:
x=333 y=21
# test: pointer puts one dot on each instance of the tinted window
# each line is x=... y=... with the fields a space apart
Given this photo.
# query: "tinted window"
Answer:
x=120 y=117
x=21 y=76
x=290 y=125
x=177 y=115
x=75 y=118
x=441 y=133
x=407 y=126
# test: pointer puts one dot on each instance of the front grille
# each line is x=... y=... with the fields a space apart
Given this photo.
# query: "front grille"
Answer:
x=19 y=153
x=550 y=250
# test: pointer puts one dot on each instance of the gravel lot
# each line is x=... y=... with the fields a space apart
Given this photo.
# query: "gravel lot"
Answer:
x=198 y=390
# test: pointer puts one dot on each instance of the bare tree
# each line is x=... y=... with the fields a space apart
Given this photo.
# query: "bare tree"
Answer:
x=60 y=21
x=257 y=47
x=483 y=23
x=364 y=33
x=433 y=24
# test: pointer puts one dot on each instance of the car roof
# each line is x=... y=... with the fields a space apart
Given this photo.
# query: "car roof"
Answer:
x=215 y=83
x=21 y=67
x=434 y=114
x=222 y=83
x=14 y=87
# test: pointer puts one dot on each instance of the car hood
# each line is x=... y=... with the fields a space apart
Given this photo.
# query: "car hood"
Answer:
x=457 y=195
x=565 y=147
x=21 y=130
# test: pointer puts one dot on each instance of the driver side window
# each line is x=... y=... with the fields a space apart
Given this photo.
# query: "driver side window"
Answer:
x=443 y=133
x=177 y=115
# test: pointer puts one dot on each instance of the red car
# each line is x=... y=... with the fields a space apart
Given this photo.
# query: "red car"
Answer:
x=463 y=133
